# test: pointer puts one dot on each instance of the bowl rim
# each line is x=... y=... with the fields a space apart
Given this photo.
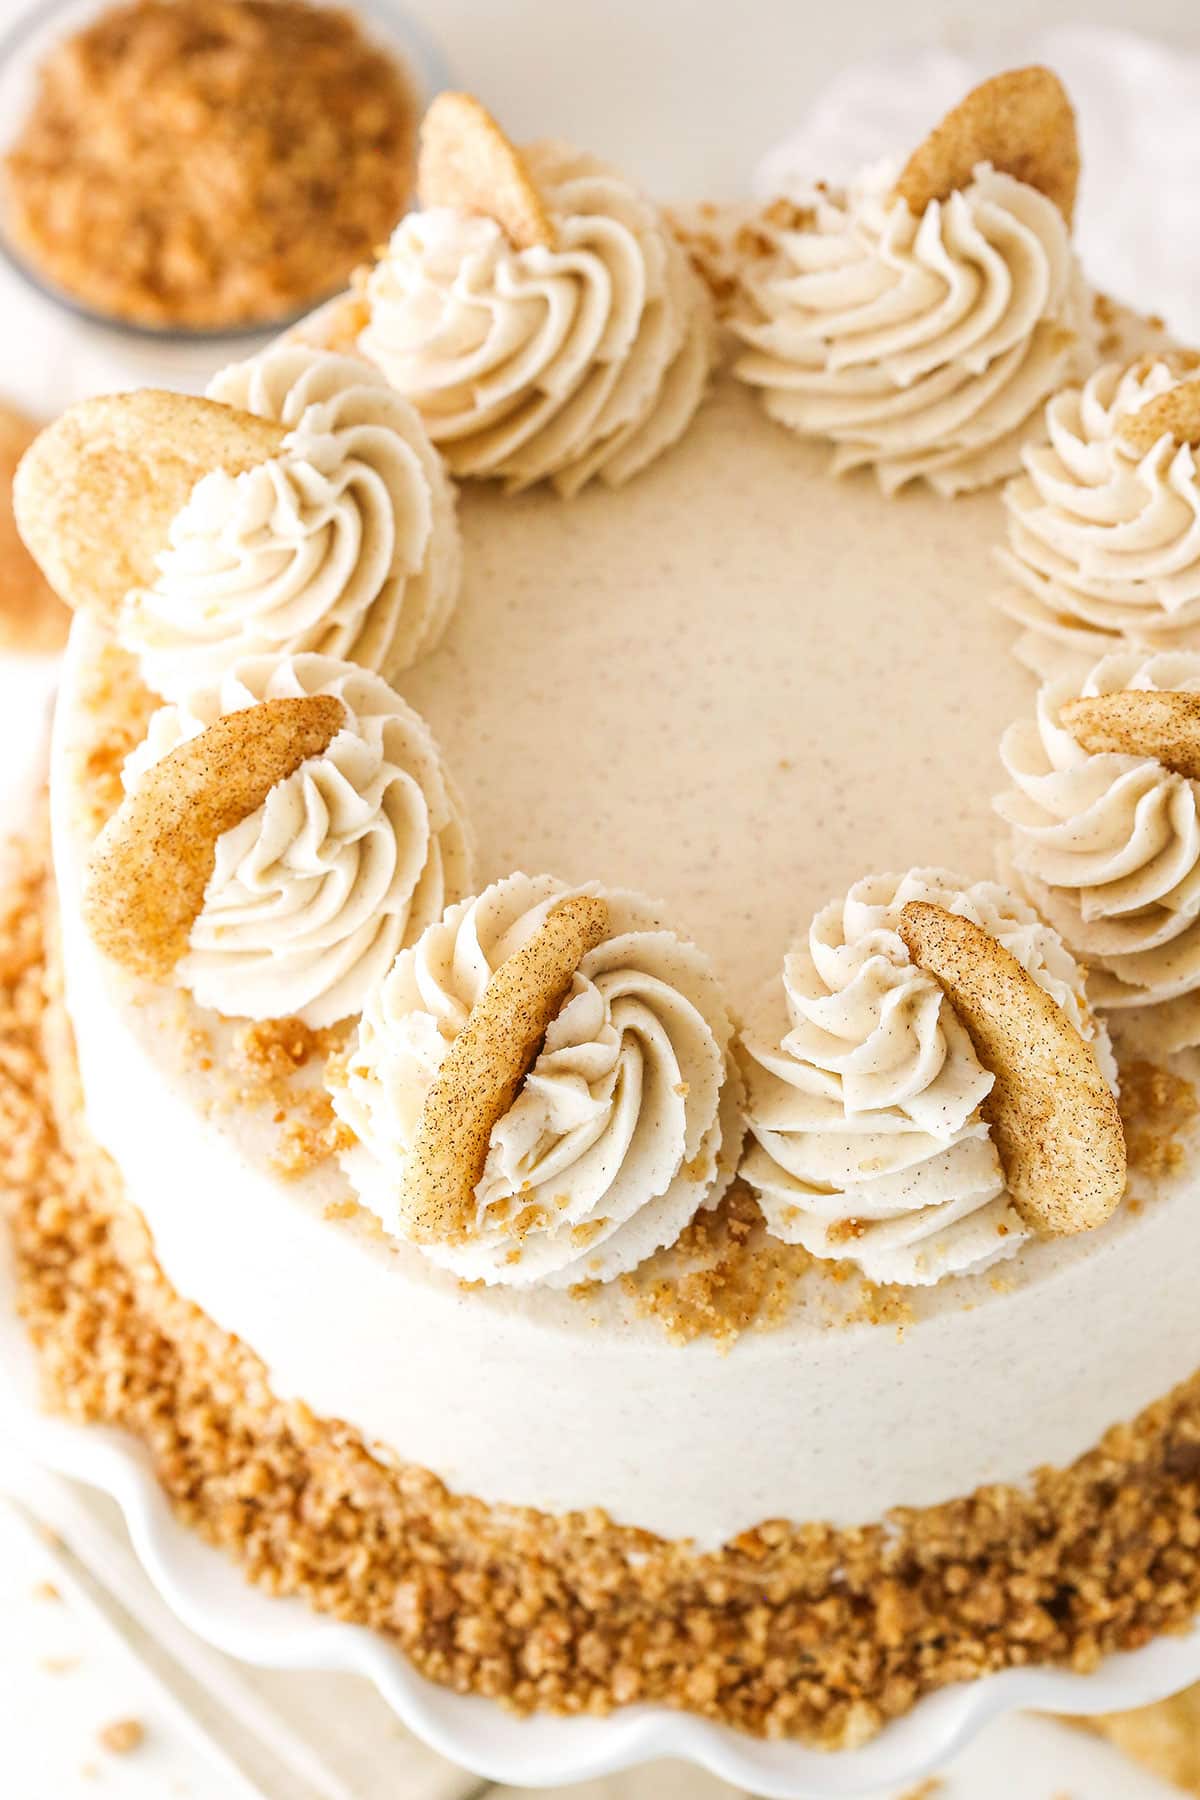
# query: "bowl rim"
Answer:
x=388 y=21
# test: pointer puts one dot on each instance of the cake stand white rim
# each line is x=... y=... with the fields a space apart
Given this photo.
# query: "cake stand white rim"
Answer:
x=210 y=1596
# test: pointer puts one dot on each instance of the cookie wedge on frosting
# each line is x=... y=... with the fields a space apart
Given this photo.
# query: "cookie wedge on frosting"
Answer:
x=324 y=864
x=97 y=491
x=1103 y=545
x=152 y=863
x=1104 y=810
x=868 y=1097
x=538 y=311
x=1020 y=121
x=542 y=1091
x=486 y=1064
x=300 y=508
x=920 y=319
x=1050 y=1111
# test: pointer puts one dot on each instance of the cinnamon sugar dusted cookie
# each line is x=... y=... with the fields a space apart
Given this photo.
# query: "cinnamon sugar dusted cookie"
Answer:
x=152 y=862
x=1020 y=121
x=487 y=1062
x=920 y=319
x=1052 y=1114
x=467 y=162
x=96 y=494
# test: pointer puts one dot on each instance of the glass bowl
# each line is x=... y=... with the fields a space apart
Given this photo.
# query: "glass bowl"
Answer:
x=26 y=42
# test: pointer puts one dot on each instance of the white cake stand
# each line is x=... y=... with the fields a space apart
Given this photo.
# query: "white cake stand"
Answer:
x=208 y=1593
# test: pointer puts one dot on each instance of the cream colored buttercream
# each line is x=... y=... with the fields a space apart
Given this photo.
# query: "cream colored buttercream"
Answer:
x=583 y=359
x=1104 y=543
x=1108 y=846
x=627 y=1124
x=345 y=862
x=346 y=543
x=924 y=347
x=865 y=1089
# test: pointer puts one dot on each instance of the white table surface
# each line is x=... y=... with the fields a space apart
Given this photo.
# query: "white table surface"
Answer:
x=687 y=94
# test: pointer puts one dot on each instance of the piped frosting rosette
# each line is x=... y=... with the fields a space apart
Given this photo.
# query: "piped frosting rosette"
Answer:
x=1104 y=533
x=868 y=1142
x=581 y=353
x=625 y=1125
x=921 y=324
x=345 y=542
x=347 y=860
x=1107 y=843
x=343 y=399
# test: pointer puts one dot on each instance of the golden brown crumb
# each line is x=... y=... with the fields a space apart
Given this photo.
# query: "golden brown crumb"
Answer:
x=723 y=1276
x=723 y=243
x=726 y=1275
x=32 y=617
x=59 y=1665
x=268 y=1055
x=273 y=1049
x=211 y=164
x=1157 y=1105
x=46 y=1590
x=122 y=1737
x=309 y=1136
x=1175 y=414
x=114 y=707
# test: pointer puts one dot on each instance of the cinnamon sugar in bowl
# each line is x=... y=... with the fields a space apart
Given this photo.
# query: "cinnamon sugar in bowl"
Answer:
x=209 y=165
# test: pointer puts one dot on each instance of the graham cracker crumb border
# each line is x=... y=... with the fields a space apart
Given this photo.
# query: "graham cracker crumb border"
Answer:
x=798 y=1631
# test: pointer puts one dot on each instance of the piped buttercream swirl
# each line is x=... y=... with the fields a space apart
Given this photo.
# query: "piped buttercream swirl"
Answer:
x=627 y=1124
x=347 y=860
x=864 y=1088
x=1104 y=543
x=1108 y=846
x=587 y=358
x=924 y=347
x=345 y=544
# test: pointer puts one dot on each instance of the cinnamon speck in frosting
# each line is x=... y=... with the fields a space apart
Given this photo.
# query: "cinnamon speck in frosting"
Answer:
x=1158 y=1105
